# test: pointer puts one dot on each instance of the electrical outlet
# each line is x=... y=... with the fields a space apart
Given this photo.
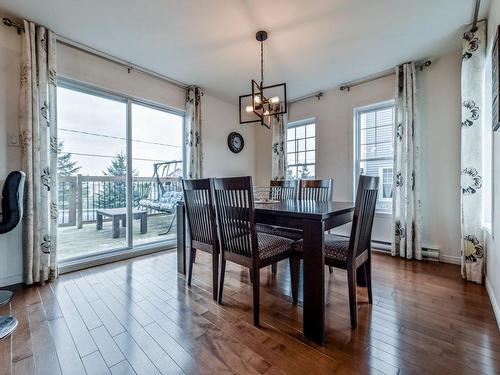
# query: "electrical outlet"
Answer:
x=13 y=140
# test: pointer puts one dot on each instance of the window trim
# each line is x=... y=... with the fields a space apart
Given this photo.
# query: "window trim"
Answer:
x=295 y=124
x=357 y=112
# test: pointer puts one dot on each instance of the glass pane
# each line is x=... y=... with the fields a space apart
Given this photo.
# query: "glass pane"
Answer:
x=291 y=173
x=312 y=171
x=310 y=144
x=157 y=168
x=91 y=171
x=301 y=157
x=301 y=145
x=305 y=172
x=310 y=157
x=290 y=158
x=301 y=131
x=290 y=146
x=290 y=133
x=310 y=130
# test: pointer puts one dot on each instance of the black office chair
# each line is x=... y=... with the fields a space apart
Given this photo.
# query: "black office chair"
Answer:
x=12 y=212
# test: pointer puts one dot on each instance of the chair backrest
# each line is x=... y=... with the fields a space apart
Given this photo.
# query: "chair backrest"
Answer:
x=317 y=190
x=283 y=189
x=364 y=213
x=235 y=213
x=200 y=211
x=12 y=201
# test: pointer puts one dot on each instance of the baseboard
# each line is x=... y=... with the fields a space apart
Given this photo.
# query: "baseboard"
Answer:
x=494 y=303
x=452 y=259
x=11 y=280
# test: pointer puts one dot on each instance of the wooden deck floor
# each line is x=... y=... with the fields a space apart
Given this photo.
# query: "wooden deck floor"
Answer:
x=138 y=316
x=72 y=241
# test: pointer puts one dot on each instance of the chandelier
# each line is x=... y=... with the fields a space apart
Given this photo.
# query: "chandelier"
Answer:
x=264 y=101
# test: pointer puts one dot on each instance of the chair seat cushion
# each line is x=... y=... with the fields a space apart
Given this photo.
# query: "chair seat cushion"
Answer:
x=270 y=245
x=290 y=233
x=336 y=247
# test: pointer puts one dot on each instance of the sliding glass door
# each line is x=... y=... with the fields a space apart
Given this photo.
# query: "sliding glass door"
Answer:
x=157 y=171
x=119 y=169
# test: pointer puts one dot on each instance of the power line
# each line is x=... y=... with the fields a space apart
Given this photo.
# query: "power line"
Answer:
x=116 y=137
x=112 y=156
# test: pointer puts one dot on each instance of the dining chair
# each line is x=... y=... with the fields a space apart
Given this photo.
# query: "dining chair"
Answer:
x=200 y=212
x=351 y=253
x=279 y=190
x=240 y=242
x=317 y=190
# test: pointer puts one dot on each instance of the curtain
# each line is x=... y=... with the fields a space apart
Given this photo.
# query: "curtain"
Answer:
x=473 y=58
x=278 y=128
x=406 y=195
x=192 y=136
x=38 y=127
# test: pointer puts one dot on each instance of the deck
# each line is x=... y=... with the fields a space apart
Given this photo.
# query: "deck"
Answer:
x=74 y=242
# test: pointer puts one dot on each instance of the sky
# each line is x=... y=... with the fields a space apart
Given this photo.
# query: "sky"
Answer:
x=93 y=130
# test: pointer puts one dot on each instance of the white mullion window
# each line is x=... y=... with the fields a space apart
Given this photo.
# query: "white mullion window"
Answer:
x=301 y=149
x=374 y=126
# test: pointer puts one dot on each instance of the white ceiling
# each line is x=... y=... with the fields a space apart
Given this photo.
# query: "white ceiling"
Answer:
x=312 y=45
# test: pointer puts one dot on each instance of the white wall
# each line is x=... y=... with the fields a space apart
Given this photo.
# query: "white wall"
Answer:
x=439 y=105
x=10 y=156
x=493 y=250
x=218 y=120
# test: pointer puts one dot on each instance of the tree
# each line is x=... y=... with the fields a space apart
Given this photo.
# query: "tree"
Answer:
x=65 y=166
x=114 y=193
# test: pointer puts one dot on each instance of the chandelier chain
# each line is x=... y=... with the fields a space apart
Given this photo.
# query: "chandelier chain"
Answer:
x=261 y=63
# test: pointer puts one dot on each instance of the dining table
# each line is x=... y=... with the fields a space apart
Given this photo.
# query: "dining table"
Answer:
x=313 y=218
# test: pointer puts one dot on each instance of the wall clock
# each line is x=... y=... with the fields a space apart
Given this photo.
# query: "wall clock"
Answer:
x=235 y=142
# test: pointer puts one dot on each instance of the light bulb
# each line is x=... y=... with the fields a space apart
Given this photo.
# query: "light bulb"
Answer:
x=257 y=99
x=249 y=108
x=266 y=113
x=275 y=99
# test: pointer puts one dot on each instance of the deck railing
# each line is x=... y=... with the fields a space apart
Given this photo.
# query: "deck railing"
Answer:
x=80 y=196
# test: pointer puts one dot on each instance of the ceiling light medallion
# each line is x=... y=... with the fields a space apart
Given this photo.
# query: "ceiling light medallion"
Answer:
x=264 y=101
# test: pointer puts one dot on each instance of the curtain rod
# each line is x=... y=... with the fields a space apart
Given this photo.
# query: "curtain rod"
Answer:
x=385 y=73
x=71 y=43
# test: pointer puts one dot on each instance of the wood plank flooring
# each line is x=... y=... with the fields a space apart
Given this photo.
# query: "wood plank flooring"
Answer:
x=139 y=317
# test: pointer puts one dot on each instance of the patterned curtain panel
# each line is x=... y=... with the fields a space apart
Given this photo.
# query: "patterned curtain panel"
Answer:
x=38 y=125
x=192 y=130
x=406 y=196
x=278 y=127
x=473 y=58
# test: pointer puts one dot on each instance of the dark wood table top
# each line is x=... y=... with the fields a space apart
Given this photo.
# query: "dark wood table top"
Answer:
x=305 y=209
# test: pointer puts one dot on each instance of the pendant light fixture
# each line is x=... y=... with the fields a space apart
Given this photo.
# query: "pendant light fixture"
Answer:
x=264 y=101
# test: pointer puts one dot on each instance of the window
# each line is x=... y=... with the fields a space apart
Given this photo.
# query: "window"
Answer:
x=116 y=164
x=301 y=149
x=374 y=148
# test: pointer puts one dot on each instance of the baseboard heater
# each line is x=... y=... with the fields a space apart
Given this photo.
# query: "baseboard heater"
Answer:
x=427 y=252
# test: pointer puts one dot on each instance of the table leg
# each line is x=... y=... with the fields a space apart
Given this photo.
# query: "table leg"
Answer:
x=144 y=223
x=98 y=224
x=314 y=281
x=181 y=239
x=116 y=226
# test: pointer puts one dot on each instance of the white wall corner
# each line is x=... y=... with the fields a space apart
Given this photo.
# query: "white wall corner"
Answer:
x=494 y=302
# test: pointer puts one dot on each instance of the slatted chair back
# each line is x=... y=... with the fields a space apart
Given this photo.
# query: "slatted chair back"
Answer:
x=236 y=218
x=317 y=190
x=364 y=213
x=283 y=189
x=200 y=211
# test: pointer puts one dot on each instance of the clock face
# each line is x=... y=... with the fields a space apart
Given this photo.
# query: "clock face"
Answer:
x=235 y=142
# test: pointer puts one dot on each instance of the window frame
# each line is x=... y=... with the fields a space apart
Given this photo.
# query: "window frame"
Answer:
x=82 y=261
x=357 y=112
x=296 y=124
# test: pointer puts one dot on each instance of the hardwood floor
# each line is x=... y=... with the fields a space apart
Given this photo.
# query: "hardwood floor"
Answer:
x=138 y=316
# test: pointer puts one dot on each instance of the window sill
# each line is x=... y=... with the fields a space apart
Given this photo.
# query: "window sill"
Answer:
x=384 y=215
